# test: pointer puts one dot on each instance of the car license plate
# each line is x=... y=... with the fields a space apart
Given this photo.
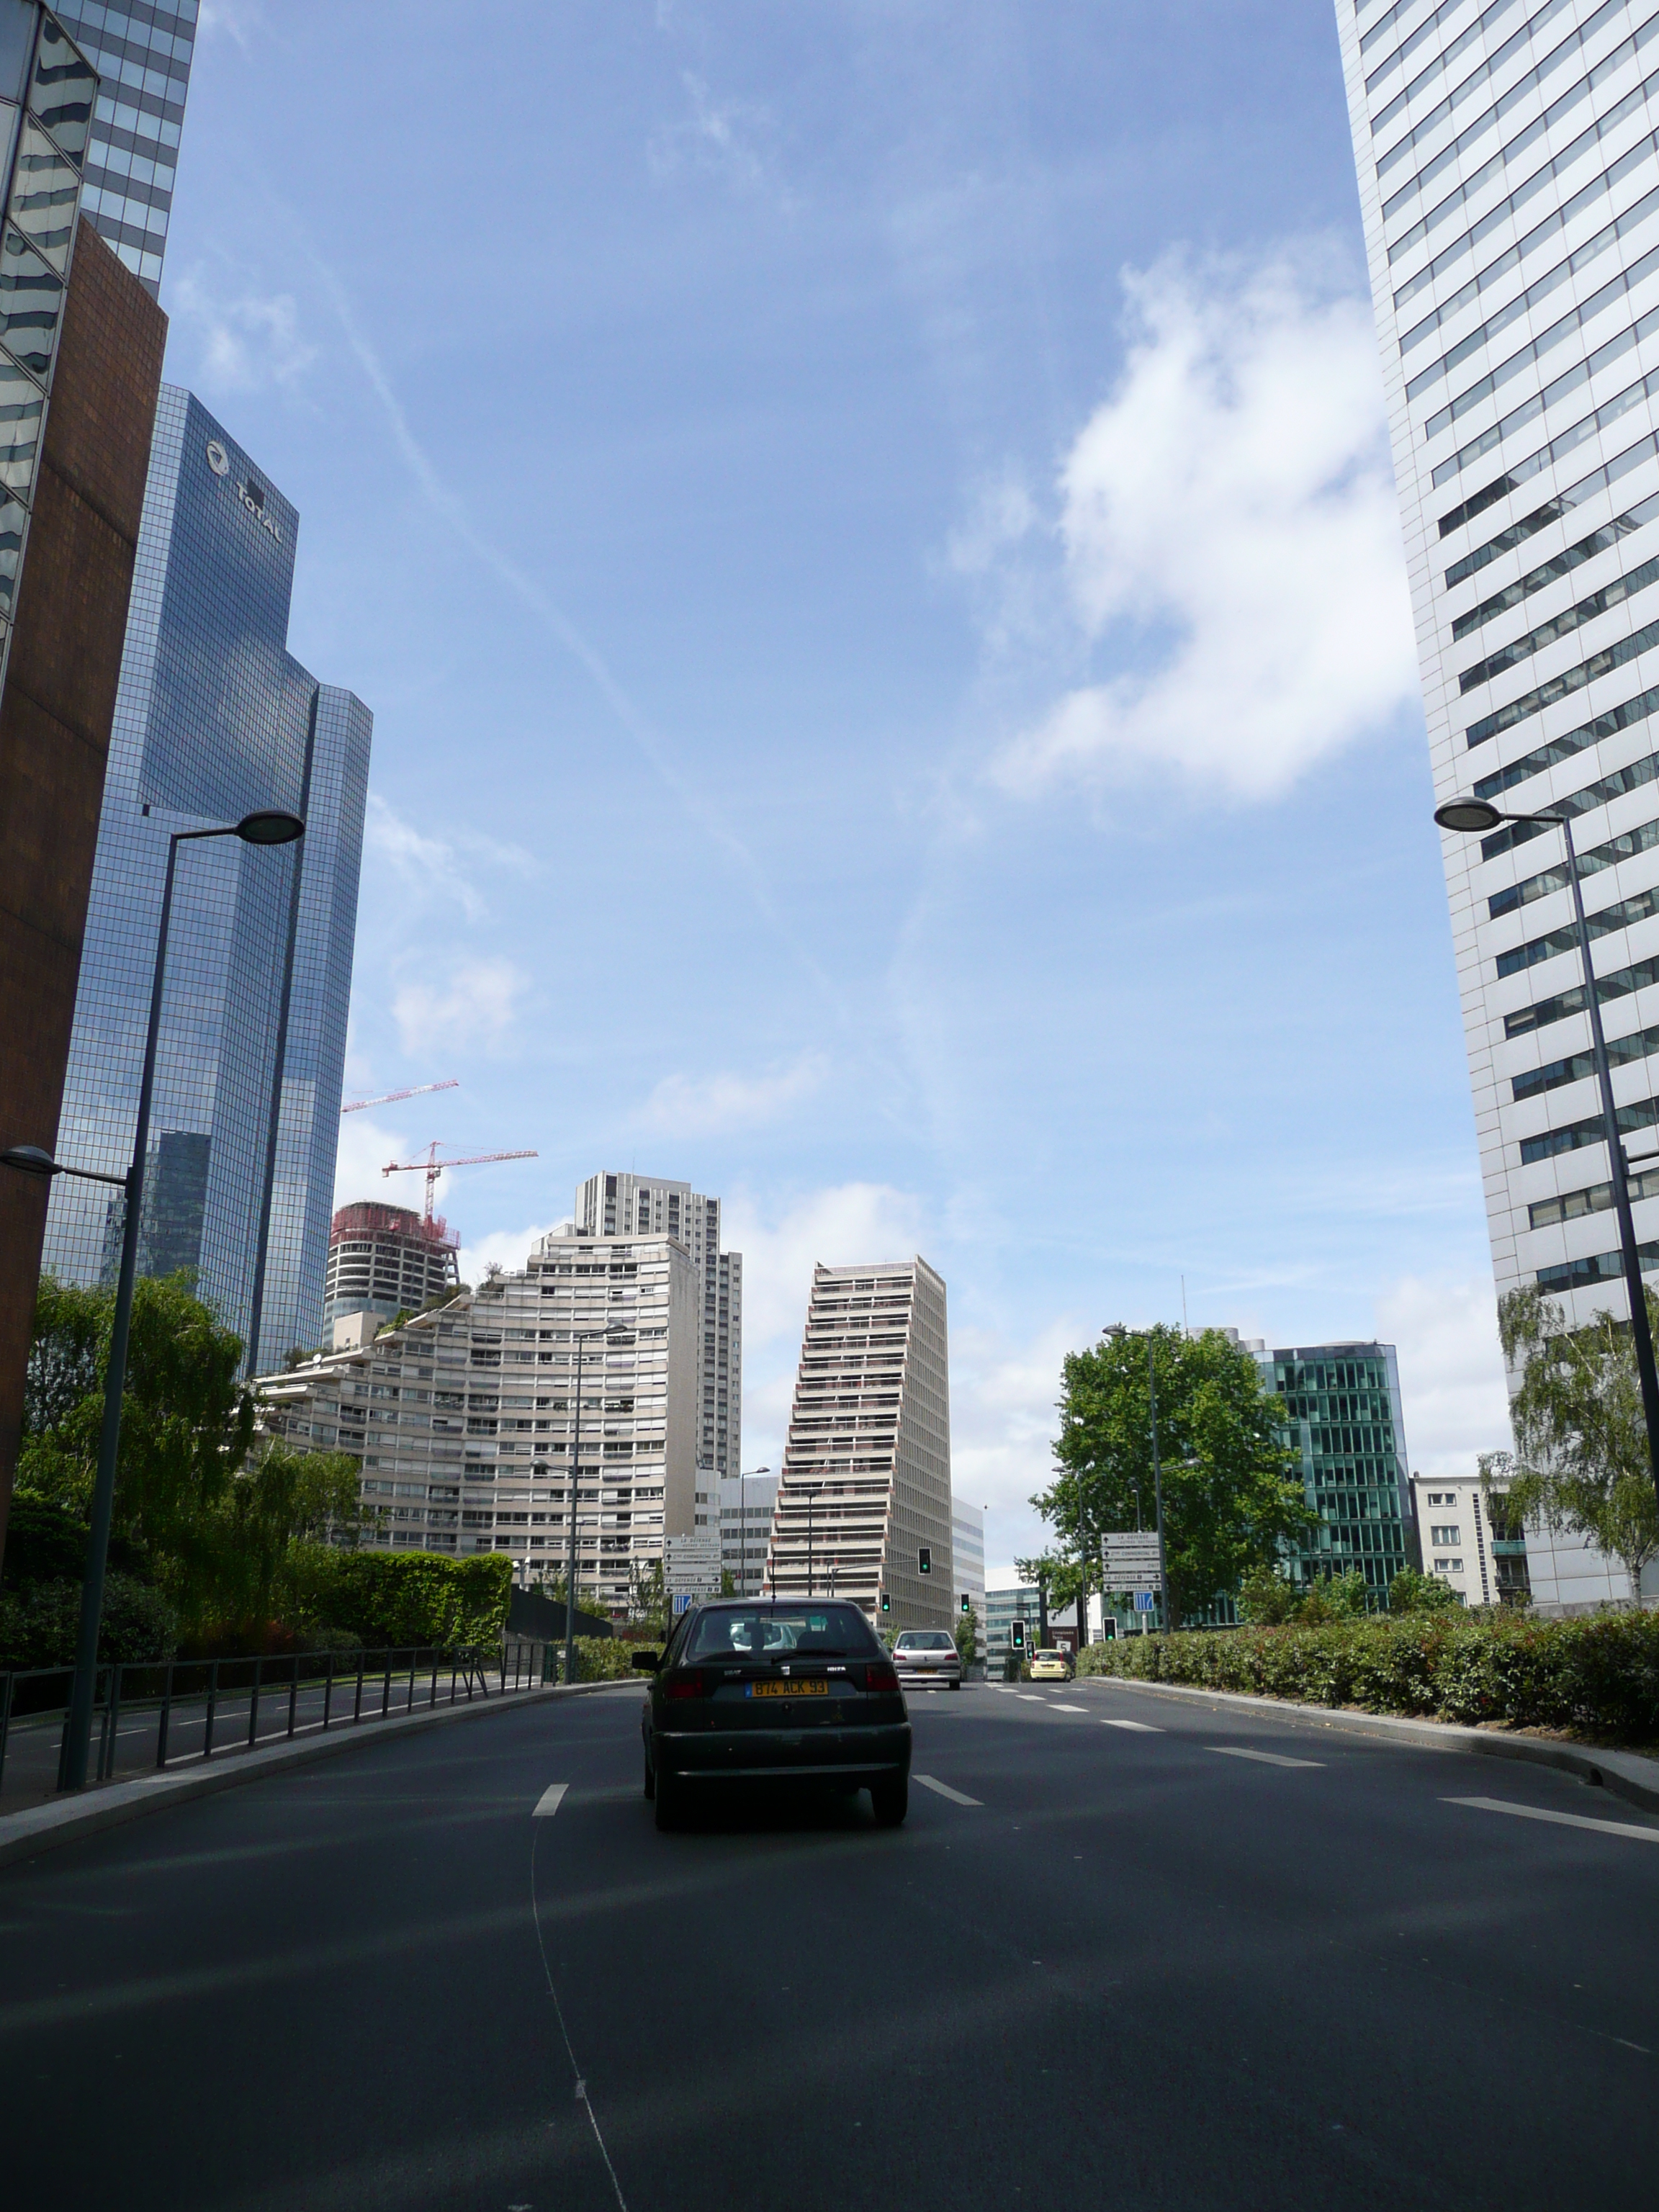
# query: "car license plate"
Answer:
x=805 y=1689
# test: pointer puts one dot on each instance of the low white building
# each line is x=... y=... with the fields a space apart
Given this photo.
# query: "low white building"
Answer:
x=465 y=1419
x=1462 y=1547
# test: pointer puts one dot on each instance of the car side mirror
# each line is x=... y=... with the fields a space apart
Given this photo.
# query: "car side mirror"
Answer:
x=647 y=1662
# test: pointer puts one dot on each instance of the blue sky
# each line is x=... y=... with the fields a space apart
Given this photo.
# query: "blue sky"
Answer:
x=867 y=534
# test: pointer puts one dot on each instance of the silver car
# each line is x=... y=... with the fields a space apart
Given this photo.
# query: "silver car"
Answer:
x=927 y=1658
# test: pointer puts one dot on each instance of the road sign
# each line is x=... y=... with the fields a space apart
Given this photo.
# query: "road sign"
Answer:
x=683 y=1602
x=1130 y=1561
x=692 y=1563
x=1146 y=1600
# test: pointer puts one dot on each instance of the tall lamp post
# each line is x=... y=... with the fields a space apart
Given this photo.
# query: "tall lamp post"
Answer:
x=1474 y=817
x=1116 y=1329
x=270 y=826
x=743 y=1524
x=580 y=1338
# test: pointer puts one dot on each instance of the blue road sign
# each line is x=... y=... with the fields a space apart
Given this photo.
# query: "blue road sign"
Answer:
x=1146 y=1600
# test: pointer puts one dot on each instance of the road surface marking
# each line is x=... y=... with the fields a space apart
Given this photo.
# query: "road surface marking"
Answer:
x=944 y=1789
x=1563 y=1819
x=1031 y=1697
x=550 y=1801
x=1070 y=1709
x=1267 y=1758
x=1140 y=1727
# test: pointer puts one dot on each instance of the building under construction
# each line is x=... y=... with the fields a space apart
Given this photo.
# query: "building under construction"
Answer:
x=386 y=1260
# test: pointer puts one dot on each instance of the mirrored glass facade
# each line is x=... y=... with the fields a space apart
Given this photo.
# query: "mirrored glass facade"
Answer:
x=143 y=56
x=1347 y=1429
x=215 y=719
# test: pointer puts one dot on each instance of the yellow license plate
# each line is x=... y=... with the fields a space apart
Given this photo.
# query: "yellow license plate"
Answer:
x=808 y=1689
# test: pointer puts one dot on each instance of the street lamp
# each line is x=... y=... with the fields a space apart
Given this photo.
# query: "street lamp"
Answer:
x=1115 y=1329
x=269 y=826
x=579 y=1337
x=743 y=1523
x=1473 y=817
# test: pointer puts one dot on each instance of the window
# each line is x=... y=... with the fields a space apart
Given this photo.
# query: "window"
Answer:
x=1450 y=1534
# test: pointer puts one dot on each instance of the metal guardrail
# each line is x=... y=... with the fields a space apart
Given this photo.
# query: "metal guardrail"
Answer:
x=183 y=1712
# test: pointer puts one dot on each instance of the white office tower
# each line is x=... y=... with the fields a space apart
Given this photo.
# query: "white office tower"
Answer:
x=865 y=1486
x=636 y=1205
x=1509 y=175
x=466 y=1419
x=744 y=1514
x=968 y=1561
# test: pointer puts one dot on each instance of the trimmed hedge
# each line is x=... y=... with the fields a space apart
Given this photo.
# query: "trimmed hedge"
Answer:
x=1597 y=1674
x=392 y=1598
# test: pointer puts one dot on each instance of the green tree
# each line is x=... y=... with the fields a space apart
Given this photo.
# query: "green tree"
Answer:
x=186 y=1422
x=281 y=1498
x=1582 y=1465
x=1412 y=1592
x=966 y=1634
x=1228 y=1498
x=1266 y=1598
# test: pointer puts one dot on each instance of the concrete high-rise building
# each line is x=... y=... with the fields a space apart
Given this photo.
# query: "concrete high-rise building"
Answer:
x=385 y=1260
x=866 y=1484
x=1509 y=177
x=745 y=1525
x=213 y=719
x=143 y=54
x=465 y=1420
x=636 y=1205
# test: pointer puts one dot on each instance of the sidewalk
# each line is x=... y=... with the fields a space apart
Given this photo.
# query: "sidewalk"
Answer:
x=1626 y=1774
x=39 y=1828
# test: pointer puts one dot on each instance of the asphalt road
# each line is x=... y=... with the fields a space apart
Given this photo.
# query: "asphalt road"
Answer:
x=1100 y=1964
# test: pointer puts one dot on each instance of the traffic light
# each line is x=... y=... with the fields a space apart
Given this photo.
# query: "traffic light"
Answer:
x=1017 y=1633
x=967 y=1602
x=886 y=1602
x=925 y=1560
x=1108 y=1630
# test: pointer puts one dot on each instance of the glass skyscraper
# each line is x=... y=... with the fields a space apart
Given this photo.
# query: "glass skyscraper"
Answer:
x=143 y=56
x=1509 y=177
x=1347 y=1429
x=213 y=719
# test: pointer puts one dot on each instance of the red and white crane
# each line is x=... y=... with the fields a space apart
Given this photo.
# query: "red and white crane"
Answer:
x=391 y=1097
x=432 y=1166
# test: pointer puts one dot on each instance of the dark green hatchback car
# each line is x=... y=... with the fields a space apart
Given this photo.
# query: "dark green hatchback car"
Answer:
x=751 y=1690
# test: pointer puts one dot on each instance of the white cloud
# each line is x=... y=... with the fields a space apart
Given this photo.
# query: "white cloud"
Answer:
x=841 y=1226
x=1002 y=514
x=702 y=1106
x=506 y=1249
x=245 y=342
x=718 y=135
x=1451 y=1372
x=1231 y=538
x=477 y=1010
x=365 y=1148
x=235 y=18
x=431 y=867
x=1002 y=1426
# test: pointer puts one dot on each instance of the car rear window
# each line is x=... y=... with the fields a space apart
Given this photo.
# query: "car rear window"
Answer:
x=925 y=1639
x=765 y=1631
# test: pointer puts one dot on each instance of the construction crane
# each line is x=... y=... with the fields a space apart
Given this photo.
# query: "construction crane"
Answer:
x=392 y=1097
x=432 y=1166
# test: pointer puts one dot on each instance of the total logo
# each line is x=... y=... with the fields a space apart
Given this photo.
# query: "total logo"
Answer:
x=251 y=494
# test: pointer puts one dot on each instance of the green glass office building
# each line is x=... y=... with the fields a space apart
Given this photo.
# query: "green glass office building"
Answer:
x=1347 y=1429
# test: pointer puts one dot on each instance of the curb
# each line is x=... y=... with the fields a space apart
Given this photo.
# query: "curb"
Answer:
x=1625 y=1774
x=43 y=1827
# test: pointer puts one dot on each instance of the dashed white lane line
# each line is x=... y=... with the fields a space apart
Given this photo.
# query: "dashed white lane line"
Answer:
x=944 y=1789
x=1267 y=1758
x=1069 y=1709
x=550 y=1801
x=1030 y=1697
x=1140 y=1727
x=1562 y=1820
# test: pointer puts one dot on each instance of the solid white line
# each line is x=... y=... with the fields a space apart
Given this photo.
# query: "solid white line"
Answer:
x=1563 y=1819
x=1069 y=1709
x=944 y=1789
x=1267 y=1758
x=1140 y=1727
x=550 y=1801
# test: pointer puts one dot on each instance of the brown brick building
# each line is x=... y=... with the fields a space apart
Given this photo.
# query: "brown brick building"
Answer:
x=55 y=715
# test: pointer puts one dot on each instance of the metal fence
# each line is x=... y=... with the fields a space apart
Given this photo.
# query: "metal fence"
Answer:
x=162 y=1715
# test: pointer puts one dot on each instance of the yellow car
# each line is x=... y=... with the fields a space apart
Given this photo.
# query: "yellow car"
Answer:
x=1056 y=1666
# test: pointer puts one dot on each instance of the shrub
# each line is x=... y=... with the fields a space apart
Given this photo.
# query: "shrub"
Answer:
x=1598 y=1675
x=39 y=1623
x=604 y=1658
x=395 y=1598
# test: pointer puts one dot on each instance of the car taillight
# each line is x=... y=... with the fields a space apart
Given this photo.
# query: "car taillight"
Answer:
x=881 y=1675
x=683 y=1685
